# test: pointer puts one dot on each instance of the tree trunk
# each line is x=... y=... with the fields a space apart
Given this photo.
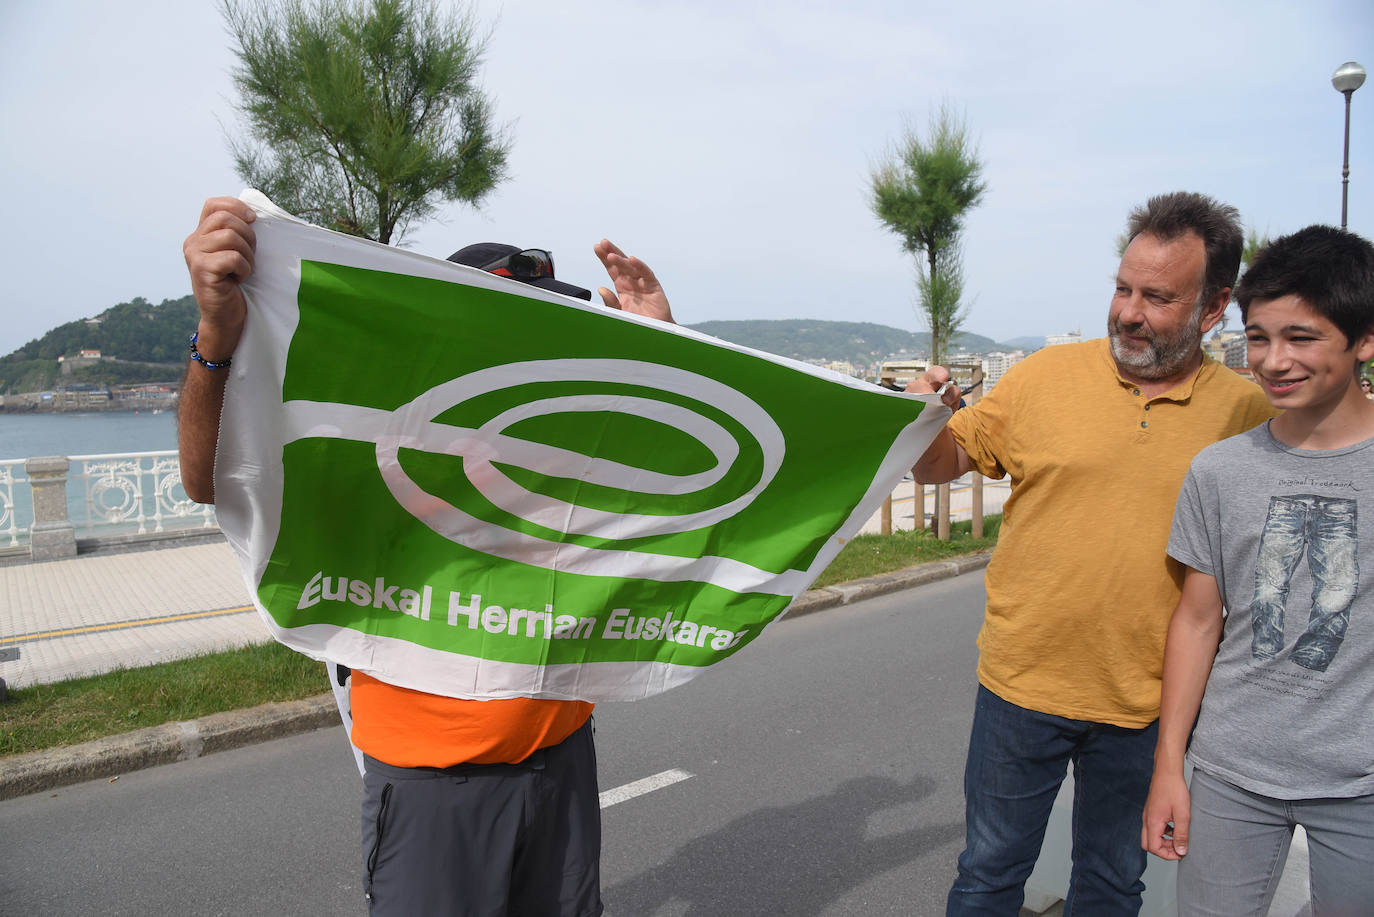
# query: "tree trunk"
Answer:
x=936 y=351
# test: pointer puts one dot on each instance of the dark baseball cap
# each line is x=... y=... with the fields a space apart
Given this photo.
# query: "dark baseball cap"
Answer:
x=528 y=265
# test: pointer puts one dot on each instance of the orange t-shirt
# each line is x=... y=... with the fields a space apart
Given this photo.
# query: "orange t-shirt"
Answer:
x=406 y=728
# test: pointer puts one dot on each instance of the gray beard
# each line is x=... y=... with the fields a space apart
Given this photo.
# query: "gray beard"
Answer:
x=1162 y=358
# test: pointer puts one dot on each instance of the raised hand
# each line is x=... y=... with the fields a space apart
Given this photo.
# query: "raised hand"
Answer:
x=219 y=256
x=637 y=290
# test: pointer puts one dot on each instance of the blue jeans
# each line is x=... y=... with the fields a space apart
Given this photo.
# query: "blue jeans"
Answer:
x=1324 y=529
x=1017 y=759
x=1238 y=844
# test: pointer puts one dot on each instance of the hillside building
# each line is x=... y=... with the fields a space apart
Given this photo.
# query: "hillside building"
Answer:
x=83 y=358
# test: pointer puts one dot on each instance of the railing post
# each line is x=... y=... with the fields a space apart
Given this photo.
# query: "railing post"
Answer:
x=885 y=520
x=51 y=536
x=976 y=505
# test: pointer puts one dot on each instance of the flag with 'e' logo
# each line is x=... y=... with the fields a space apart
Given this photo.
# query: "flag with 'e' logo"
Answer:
x=476 y=488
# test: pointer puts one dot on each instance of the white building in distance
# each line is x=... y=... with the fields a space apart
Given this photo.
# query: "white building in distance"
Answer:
x=997 y=363
x=1073 y=337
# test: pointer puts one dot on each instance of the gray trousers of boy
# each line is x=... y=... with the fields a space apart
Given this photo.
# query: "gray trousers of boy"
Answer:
x=1238 y=844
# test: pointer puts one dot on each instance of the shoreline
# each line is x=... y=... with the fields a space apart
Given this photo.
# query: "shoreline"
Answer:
x=141 y=406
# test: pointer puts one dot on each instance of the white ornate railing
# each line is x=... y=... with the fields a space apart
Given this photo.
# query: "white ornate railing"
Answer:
x=126 y=493
x=11 y=473
x=139 y=490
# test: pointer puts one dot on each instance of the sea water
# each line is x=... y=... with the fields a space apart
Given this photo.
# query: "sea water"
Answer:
x=25 y=436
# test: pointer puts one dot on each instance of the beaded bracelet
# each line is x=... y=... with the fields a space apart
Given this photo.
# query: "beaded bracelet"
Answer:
x=208 y=364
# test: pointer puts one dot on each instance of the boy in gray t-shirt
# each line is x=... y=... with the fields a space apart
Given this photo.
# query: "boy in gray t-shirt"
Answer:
x=1268 y=530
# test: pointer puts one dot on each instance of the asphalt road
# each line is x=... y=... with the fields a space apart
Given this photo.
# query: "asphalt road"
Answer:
x=824 y=762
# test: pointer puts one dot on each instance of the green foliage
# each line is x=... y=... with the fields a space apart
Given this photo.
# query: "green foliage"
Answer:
x=27 y=375
x=367 y=112
x=942 y=293
x=921 y=192
x=135 y=332
x=108 y=373
x=1253 y=243
x=870 y=555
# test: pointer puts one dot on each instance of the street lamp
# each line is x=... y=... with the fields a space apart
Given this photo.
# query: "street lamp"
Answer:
x=1347 y=78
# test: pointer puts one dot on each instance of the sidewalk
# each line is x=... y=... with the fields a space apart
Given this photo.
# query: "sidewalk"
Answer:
x=88 y=615
x=96 y=613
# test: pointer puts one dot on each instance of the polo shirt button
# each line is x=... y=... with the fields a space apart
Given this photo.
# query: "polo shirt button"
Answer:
x=1135 y=391
x=1144 y=424
x=1147 y=407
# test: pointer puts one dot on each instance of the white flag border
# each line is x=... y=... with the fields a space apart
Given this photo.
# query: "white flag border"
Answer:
x=248 y=500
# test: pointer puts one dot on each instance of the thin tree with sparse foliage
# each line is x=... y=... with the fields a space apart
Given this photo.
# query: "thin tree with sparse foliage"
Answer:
x=363 y=115
x=921 y=191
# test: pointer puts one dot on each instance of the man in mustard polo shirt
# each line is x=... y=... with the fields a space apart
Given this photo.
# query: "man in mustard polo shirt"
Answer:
x=471 y=808
x=1096 y=438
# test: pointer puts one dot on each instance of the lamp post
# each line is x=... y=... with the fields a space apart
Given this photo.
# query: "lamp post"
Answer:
x=1347 y=78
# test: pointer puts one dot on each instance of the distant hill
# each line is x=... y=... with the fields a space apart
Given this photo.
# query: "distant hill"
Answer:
x=860 y=343
x=153 y=337
x=1024 y=343
x=149 y=344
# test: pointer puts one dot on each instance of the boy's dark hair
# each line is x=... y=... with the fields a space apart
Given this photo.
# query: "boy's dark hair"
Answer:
x=1169 y=216
x=1330 y=269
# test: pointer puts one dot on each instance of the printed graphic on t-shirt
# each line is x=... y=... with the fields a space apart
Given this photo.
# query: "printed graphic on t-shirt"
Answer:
x=1324 y=531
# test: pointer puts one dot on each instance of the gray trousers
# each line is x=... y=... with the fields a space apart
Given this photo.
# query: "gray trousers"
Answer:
x=498 y=840
x=1238 y=842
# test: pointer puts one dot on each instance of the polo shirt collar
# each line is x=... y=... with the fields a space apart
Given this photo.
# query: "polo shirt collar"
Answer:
x=1180 y=392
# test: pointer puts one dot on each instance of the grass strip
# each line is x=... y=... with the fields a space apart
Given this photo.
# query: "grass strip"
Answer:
x=70 y=712
x=869 y=555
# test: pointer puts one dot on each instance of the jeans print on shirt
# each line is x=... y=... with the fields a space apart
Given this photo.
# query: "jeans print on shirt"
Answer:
x=1325 y=530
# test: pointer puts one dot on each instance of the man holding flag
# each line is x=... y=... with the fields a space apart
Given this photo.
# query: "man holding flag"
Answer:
x=471 y=806
x=1096 y=437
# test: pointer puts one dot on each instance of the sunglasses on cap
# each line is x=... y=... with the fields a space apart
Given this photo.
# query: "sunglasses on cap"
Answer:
x=530 y=264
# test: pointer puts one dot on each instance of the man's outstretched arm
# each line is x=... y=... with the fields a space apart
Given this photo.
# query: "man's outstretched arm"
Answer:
x=945 y=460
x=219 y=255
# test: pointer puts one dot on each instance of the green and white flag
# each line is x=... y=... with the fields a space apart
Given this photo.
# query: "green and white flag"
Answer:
x=472 y=487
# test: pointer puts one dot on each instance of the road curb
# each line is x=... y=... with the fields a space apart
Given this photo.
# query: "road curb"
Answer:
x=38 y=771
x=884 y=583
x=131 y=751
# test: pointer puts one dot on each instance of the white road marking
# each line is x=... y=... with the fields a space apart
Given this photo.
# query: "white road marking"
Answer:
x=640 y=787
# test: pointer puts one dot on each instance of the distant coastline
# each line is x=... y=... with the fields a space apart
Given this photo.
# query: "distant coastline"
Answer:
x=93 y=409
x=87 y=403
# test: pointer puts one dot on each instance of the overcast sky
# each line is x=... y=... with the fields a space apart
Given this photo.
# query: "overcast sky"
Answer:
x=727 y=143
